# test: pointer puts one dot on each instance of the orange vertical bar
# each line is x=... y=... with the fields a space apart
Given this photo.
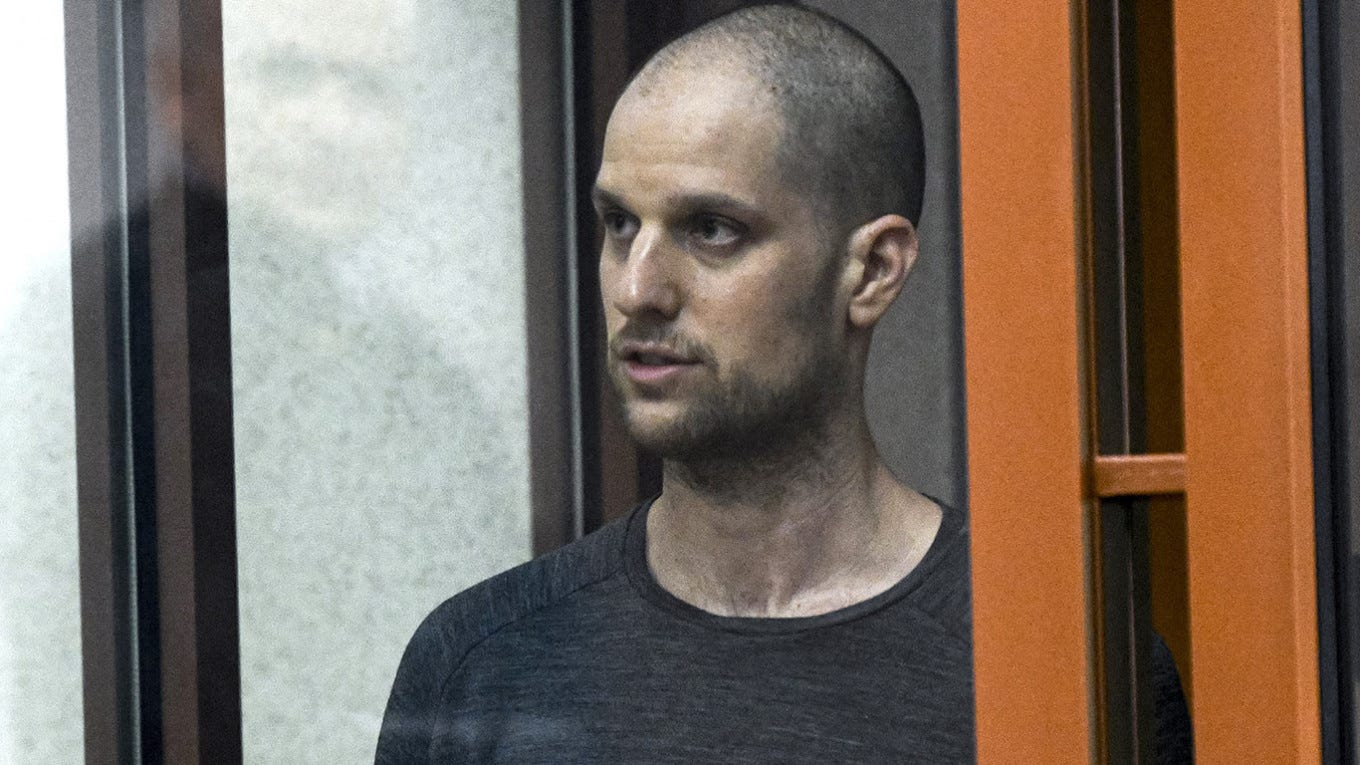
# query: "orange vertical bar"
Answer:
x=1249 y=489
x=1025 y=391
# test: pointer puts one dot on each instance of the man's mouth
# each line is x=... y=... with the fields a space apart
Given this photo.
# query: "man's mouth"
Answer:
x=649 y=363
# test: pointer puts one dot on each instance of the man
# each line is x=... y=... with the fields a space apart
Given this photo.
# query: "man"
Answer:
x=785 y=599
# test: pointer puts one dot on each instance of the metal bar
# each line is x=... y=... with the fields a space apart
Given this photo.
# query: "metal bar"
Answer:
x=1342 y=40
x=1125 y=634
x=1248 y=429
x=1331 y=72
x=550 y=271
x=1111 y=253
x=1138 y=475
x=94 y=118
x=607 y=456
x=1114 y=258
x=178 y=187
x=136 y=78
x=1160 y=348
x=1025 y=396
x=1112 y=562
x=1326 y=307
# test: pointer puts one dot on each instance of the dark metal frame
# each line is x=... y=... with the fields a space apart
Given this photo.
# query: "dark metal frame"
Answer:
x=1334 y=290
x=558 y=462
x=98 y=293
x=153 y=384
x=1114 y=228
x=155 y=460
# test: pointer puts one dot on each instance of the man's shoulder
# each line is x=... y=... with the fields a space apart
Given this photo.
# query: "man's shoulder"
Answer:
x=485 y=608
x=944 y=592
x=457 y=626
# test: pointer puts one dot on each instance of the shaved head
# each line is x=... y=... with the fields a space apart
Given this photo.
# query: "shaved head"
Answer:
x=849 y=125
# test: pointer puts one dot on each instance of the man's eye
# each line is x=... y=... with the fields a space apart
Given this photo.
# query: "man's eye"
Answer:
x=712 y=231
x=618 y=225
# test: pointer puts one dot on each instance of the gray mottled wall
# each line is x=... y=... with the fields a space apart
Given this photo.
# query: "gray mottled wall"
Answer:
x=915 y=386
x=40 y=673
x=373 y=156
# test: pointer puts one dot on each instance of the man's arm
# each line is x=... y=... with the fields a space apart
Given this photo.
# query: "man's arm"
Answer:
x=408 y=724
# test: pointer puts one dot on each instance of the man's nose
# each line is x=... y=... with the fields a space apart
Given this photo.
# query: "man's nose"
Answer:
x=646 y=281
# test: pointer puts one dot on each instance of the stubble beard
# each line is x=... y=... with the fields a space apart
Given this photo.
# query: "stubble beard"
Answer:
x=740 y=432
x=740 y=428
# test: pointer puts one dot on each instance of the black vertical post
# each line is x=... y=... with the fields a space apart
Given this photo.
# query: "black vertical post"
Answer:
x=1331 y=77
x=98 y=266
x=190 y=354
x=153 y=381
x=557 y=462
x=1115 y=246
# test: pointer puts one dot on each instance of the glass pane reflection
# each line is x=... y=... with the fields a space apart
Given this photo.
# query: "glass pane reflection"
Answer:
x=377 y=288
x=40 y=669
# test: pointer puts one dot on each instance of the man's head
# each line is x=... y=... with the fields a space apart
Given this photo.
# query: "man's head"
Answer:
x=759 y=187
x=852 y=127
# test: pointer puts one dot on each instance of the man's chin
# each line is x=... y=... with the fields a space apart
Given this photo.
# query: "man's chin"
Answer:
x=666 y=435
x=656 y=438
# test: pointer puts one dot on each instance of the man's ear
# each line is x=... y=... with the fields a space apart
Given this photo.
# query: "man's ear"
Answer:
x=884 y=250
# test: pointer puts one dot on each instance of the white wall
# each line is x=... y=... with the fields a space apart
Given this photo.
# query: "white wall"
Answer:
x=40 y=695
x=377 y=268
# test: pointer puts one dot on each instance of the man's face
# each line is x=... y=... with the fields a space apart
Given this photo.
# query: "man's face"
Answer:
x=725 y=332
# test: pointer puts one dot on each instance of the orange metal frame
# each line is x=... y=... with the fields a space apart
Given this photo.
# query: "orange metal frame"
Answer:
x=1026 y=429
x=1138 y=475
x=1246 y=471
x=1244 y=311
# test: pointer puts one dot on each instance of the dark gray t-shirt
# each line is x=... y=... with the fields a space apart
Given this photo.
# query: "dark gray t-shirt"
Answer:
x=581 y=657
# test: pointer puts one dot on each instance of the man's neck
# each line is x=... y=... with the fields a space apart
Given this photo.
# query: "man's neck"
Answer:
x=791 y=540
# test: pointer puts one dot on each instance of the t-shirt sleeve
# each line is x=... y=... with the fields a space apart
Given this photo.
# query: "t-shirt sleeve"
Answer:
x=408 y=724
x=454 y=629
x=1174 y=738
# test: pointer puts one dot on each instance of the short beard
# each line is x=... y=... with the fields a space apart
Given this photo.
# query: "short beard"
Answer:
x=747 y=429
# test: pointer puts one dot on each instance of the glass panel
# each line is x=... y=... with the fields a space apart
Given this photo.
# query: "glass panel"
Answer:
x=378 y=334
x=378 y=344
x=40 y=680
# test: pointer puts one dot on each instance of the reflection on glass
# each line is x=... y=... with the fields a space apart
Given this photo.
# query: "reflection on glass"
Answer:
x=378 y=344
x=40 y=691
